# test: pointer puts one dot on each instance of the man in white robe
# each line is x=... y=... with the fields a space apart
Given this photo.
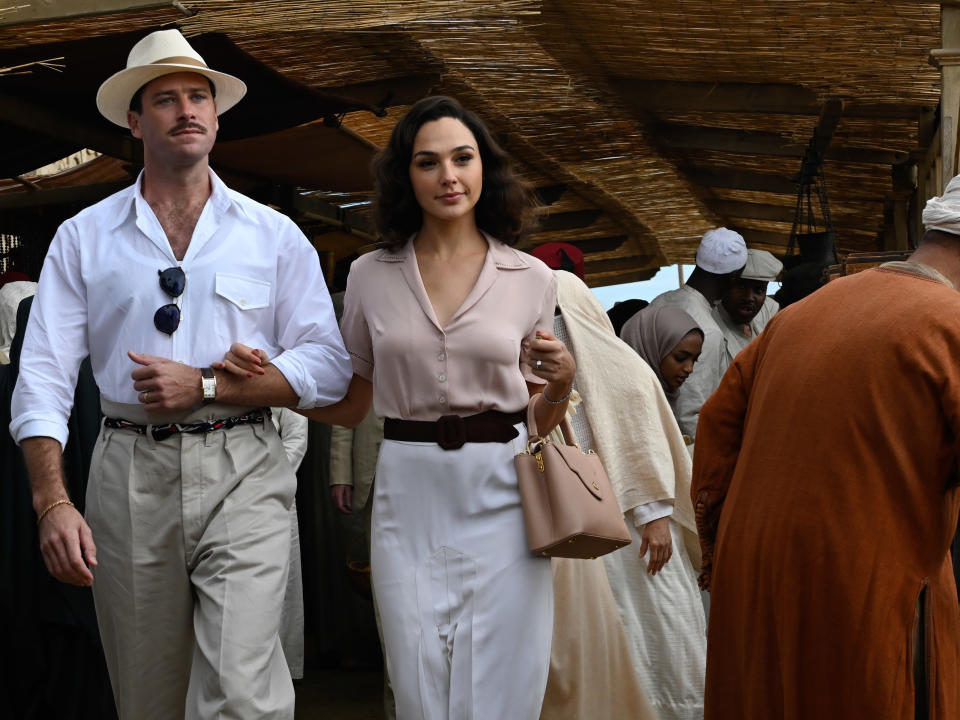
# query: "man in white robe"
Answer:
x=745 y=309
x=720 y=257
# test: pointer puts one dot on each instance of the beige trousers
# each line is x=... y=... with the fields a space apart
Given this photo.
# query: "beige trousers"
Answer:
x=193 y=544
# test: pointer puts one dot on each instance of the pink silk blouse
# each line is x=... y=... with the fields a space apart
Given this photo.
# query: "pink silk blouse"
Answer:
x=421 y=370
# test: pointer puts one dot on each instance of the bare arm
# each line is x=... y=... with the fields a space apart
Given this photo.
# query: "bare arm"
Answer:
x=65 y=538
x=558 y=368
x=350 y=411
x=247 y=365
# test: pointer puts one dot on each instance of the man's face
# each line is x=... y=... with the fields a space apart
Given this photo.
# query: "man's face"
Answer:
x=744 y=299
x=178 y=124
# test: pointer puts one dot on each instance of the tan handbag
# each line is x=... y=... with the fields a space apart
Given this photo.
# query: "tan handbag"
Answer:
x=568 y=502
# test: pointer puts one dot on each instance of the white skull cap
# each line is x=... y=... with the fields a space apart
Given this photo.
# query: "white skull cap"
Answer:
x=721 y=251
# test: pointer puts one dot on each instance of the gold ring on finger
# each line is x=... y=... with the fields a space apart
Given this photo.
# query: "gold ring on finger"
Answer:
x=146 y=397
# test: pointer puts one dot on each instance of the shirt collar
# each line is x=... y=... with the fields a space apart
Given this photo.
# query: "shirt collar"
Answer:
x=503 y=256
x=134 y=201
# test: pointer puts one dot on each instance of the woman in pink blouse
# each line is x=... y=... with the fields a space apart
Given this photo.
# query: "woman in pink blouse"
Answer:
x=449 y=329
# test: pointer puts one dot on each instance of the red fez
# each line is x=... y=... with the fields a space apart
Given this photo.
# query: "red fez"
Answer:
x=561 y=256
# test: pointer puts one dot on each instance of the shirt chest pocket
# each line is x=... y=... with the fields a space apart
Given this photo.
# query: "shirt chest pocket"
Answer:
x=242 y=303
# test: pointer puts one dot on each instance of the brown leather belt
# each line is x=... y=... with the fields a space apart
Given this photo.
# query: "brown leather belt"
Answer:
x=452 y=431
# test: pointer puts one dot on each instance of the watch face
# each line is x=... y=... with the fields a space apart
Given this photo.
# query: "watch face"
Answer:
x=209 y=388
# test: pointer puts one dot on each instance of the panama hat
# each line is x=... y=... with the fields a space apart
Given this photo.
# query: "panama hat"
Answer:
x=161 y=53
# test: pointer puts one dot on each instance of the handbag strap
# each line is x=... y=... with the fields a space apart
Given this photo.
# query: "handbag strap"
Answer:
x=565 y=428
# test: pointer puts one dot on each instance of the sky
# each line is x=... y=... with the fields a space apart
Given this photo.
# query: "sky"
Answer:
x=666 y=279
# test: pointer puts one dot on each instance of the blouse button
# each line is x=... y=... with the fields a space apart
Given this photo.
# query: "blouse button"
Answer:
x=442 y=377
x=443 y=399
x=441 y=357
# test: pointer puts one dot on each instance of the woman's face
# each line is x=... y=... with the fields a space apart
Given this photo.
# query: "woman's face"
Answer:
x=445 y=170
x=678 y=364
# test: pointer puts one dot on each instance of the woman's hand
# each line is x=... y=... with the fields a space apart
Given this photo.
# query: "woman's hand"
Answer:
x=244 y=361
x=549 y=359
x=656 y=539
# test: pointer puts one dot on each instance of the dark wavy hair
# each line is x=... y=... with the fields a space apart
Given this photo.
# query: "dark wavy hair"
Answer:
x=506 y=206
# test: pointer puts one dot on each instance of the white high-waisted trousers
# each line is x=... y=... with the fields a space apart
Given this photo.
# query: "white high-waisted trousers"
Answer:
x=467 y=611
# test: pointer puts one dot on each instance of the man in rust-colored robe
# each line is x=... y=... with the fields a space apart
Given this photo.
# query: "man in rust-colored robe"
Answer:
x=825 y=484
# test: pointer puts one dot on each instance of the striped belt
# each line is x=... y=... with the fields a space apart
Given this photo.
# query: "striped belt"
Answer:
x=162 y=432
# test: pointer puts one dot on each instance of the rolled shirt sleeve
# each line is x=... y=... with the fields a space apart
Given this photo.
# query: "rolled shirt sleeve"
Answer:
x=54 y=345
x=314 y=360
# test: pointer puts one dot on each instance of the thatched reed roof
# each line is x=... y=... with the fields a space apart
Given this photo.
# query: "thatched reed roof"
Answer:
x=644 y=123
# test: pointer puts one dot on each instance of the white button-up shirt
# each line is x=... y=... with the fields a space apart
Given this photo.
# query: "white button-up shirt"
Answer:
x=251 y=277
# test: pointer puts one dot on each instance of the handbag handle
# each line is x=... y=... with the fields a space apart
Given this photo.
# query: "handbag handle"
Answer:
x=565 y=428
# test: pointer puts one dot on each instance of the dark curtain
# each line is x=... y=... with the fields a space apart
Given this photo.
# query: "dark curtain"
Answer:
x=54 y=659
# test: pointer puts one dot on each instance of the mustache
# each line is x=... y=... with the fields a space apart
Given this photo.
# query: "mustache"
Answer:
x=187 y=125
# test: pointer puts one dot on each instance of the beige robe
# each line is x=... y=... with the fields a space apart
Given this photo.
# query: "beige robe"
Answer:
x=631 y=426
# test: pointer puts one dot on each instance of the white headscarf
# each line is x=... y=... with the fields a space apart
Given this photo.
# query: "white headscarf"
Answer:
x=632 y=424
x=943 y=213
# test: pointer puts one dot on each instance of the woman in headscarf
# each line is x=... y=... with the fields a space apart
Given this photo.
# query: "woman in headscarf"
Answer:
x=670 y=342
x=625 y=417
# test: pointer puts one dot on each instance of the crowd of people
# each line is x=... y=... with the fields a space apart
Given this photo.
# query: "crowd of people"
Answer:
x=791 y=479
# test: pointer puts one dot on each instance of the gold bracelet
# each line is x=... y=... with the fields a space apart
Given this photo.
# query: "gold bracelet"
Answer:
x=51 y=507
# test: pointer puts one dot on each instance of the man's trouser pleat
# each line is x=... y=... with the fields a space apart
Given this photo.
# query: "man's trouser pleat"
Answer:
x=193 y=538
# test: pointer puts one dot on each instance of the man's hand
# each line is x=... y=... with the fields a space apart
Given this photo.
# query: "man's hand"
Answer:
x=342 y=498
x=65 y=541
x=656 y=538
x=164 y=384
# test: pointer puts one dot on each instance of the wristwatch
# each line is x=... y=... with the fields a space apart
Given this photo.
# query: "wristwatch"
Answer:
x=209 y=382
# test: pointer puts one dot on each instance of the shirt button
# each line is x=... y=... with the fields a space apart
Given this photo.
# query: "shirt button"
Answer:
x=443 y=399
x=442 y=377
x=441 y=357
x=243 y=302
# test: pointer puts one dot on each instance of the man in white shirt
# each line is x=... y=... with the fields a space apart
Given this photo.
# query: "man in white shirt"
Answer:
x=720 y=257
x=190 y=492
x=745 y=310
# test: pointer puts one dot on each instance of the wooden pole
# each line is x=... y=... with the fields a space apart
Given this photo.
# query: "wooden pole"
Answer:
x=947 y=58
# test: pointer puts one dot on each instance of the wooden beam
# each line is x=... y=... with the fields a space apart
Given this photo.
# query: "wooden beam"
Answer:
x=390 y=92
x=947 y=59
x=763 y=237
x=667 y=96
x=19 y=12
x=691 y=138
x=740 y=180
x=629 y=263
x=619 y=278
x=600 y=245
x=569 y=220
x=782 y=213
x=28 y=116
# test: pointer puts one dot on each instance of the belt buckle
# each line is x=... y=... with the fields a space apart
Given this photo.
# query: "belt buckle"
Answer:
x=451 y=432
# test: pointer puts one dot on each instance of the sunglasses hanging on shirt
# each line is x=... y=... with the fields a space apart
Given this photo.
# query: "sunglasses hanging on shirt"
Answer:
x=172 y=281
